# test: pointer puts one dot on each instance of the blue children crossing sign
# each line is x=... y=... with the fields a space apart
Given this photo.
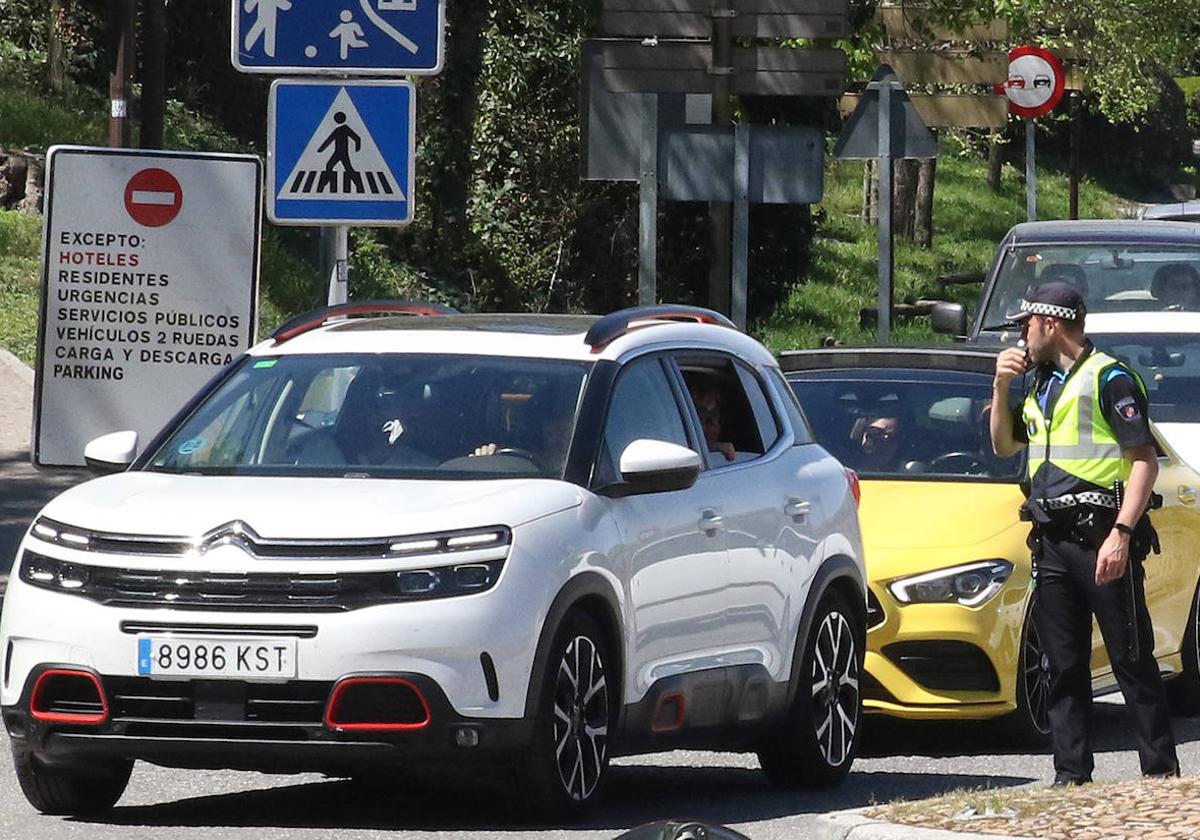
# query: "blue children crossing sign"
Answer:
x=352 y=37
x=340 y=153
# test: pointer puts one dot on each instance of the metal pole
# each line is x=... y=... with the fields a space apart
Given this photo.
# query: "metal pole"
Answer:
x=122 y=51
x=1030 y=171
x=154 y=39
x=719 y=212
x=648 y=203
x=885 y=212
x=741 y=223
x=339 y=278
x=1074 y=184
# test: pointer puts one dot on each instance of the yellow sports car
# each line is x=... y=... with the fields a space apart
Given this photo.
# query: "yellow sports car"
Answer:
x=950 y=590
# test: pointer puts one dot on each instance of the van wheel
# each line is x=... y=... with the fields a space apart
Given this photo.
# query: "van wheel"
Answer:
x=568 y=762
x=1184 y=690
x=81 y=789
x=816 y=746
x=1030 y=723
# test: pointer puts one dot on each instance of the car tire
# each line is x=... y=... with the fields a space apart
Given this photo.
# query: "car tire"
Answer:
x=568 y=760
x=817 y=743
x=75 y=790
x=1184 y=690
x=1029 y=724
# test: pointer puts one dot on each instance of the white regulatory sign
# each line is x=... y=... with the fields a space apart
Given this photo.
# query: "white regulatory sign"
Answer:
x=149 y=288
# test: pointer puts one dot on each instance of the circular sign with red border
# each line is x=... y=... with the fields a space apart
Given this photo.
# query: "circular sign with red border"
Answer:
x=1036 y=82
x=153 y=197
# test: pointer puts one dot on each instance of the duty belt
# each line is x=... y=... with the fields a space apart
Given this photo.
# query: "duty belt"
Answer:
x=1090 y=497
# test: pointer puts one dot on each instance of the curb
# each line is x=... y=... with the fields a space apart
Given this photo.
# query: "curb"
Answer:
x=853 y=825
x=11 y=362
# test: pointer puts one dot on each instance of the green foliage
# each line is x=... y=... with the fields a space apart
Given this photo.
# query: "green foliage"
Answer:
x=20 y=249
x=33 y=121
x=969 y=220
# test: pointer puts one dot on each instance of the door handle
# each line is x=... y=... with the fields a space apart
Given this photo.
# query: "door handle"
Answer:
x=711 y=522
x=796 y=508
x=1187 y=495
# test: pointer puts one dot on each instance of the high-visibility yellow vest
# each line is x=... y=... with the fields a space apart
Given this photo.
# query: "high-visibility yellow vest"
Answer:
x=1078 y=440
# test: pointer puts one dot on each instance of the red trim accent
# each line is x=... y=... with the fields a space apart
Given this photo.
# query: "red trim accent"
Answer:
x=1059 y=81
x=67 y=717
x=680 y=713
x=855 y=487
x=340 y=688
x=363 y=309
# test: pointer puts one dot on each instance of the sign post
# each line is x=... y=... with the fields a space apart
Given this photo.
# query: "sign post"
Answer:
x=1035 y=86
x=885 y=127
x=149 y=287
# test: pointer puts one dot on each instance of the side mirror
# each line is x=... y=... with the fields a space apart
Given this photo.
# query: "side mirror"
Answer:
x=948 y=318
x=655 y=466
x=111 y=453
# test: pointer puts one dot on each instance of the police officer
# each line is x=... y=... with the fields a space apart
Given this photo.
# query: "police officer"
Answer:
x=1092 y=466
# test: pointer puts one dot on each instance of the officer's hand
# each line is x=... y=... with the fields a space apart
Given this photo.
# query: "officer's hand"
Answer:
x=486 y=449
x=1010 y=364
x=1112 y=558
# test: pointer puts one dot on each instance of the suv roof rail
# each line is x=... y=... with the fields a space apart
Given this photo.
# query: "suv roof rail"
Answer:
x=616 y=324
x=318 y=317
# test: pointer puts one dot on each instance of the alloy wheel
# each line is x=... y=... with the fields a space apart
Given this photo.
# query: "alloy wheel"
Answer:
x=1035 y=673
x=835 y=696
x=581 y=718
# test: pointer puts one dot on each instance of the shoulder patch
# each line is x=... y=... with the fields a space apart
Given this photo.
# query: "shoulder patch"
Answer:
x=1128 y=408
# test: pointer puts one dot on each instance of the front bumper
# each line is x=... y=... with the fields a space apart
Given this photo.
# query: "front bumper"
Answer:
x=280 y=727
x=945 y=661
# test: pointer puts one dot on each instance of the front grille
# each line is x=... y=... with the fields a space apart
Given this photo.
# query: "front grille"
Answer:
x=944 y=665
x=141 y=705
x=249 y=591
x=299 y=631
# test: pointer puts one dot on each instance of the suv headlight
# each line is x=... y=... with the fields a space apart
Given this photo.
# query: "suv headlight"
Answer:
x=969 y=585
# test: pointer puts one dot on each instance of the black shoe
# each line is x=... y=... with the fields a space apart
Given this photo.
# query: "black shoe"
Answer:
x=1066 y=780
x=1168 y=774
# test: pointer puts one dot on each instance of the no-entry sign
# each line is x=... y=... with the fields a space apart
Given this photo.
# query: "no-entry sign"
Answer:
x=1036 y=82
x=153 y=197
x=149 y=287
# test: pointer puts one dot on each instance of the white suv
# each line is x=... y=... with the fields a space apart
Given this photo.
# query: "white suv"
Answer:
x=377 y=543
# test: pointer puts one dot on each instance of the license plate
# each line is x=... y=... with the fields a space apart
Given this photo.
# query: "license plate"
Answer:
x=223 y=657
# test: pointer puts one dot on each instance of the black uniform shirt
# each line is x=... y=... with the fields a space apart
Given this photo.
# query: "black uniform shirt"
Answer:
x=1121 y=400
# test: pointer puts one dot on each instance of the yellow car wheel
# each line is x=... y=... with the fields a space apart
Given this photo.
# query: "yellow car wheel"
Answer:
x=1185 y=689
x=1030 y=723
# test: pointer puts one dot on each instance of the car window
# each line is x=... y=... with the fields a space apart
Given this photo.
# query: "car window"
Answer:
x=1112 y=279
x=642 y=405
x=760 y=406
x=388 y=415
x=733 y=429
x=801 y=432
x=1170 y=367
x=905 y=424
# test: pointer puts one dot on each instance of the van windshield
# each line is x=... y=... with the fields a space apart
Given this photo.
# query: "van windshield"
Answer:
x=1111 y=278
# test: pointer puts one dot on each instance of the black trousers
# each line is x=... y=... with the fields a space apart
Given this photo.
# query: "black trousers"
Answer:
x=1067 y=597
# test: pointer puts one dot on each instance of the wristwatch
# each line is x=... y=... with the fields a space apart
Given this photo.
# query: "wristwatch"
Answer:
x=1123 y=528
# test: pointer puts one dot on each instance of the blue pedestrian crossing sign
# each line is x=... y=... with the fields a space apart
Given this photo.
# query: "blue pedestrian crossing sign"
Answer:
x=351 y=37
x=340 y=153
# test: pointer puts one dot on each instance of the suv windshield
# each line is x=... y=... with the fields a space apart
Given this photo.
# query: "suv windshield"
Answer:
x=392 y=415
x=1111 y=278
x=905 y=423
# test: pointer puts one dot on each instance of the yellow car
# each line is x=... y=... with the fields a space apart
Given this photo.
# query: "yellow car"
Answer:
x=950 y=590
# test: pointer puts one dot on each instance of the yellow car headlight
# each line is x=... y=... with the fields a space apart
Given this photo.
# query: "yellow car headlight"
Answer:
x=969 y=585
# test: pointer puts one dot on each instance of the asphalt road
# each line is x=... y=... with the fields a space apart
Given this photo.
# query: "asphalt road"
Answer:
x=899 y=762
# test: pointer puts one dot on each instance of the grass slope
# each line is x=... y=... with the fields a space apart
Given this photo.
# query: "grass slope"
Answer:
x=968 y=222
